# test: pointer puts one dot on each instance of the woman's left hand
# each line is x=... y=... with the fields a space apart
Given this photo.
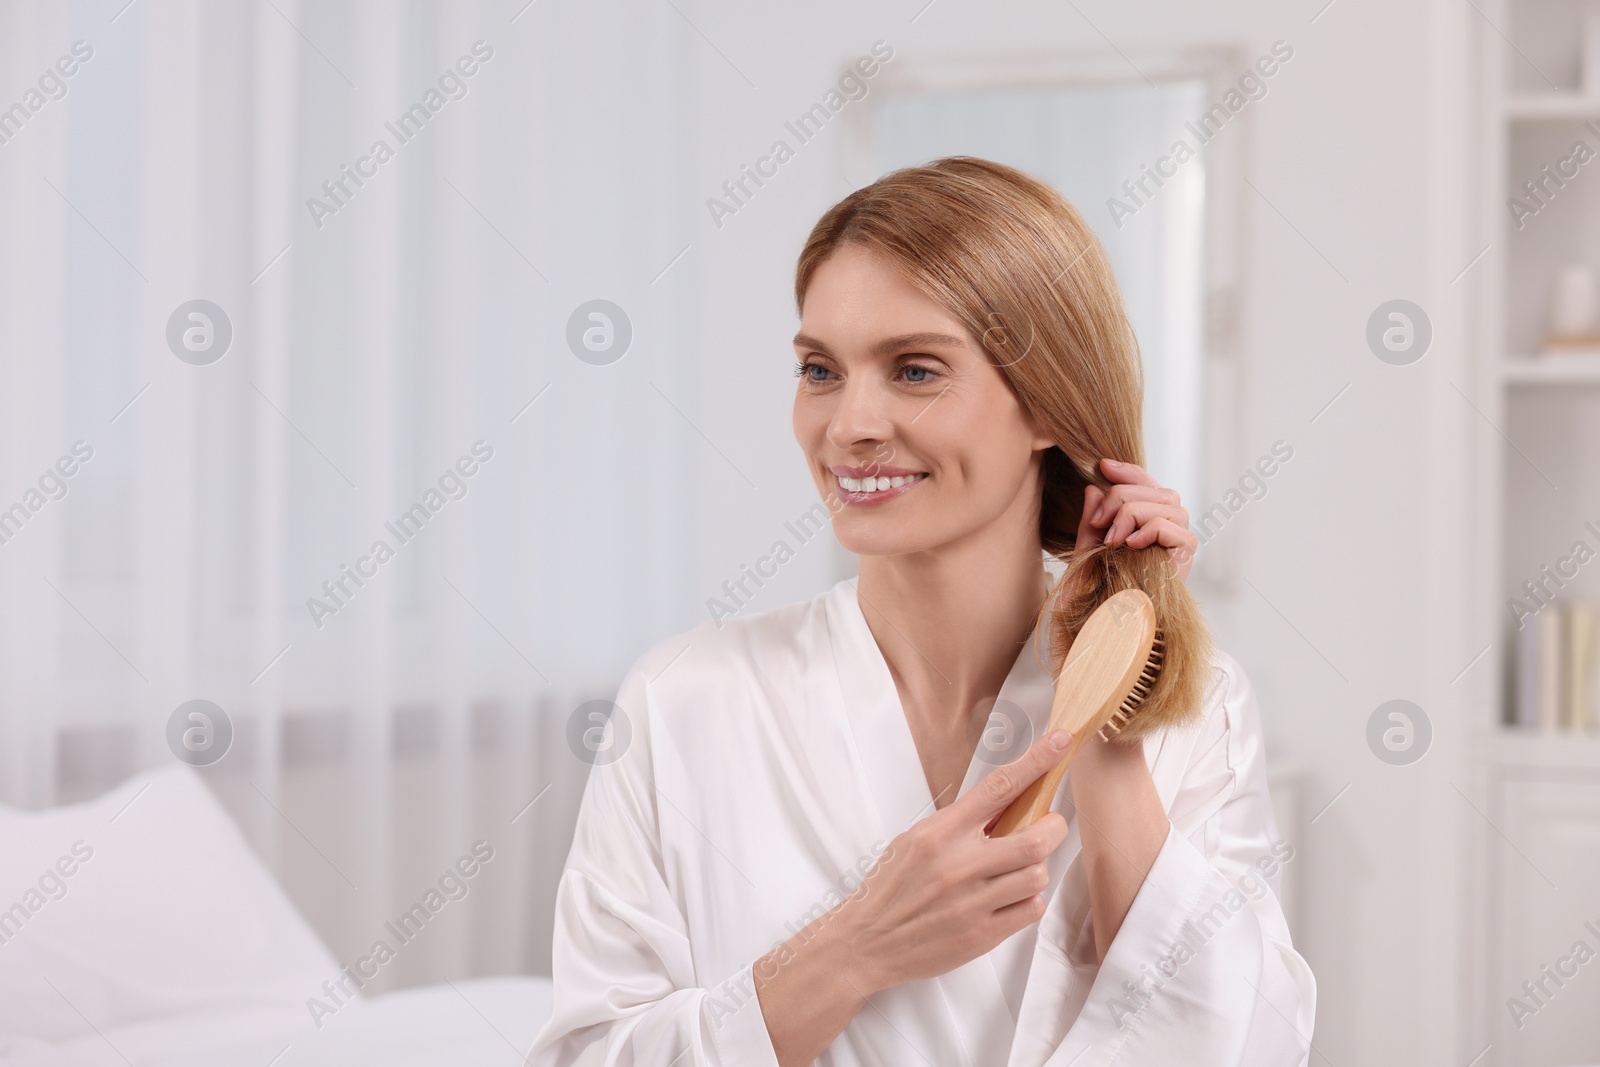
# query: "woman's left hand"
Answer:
x=1139 y=512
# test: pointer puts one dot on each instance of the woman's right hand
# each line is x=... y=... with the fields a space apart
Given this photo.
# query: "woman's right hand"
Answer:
x=944 y=892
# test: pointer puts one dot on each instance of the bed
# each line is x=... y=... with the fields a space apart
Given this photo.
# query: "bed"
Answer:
x=140 y=929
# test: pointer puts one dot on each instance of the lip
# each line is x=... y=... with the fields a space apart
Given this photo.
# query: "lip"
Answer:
x=877 y=496
x=873 y=470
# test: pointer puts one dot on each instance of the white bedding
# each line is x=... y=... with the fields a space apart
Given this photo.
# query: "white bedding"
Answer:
x=140 y=929
x=479 y=1022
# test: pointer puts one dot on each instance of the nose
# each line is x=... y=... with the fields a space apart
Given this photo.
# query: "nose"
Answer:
x=859 y=416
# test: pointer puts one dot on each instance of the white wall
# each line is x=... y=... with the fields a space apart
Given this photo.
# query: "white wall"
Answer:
x=1358 y=152
x=632 y=492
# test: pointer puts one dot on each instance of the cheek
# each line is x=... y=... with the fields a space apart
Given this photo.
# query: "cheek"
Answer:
x=979 y=448
x=810 y=423
x=804 y=420
x=814 y=413
x=986 y=463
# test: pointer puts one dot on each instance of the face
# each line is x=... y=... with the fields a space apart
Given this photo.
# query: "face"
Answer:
x=914 y=439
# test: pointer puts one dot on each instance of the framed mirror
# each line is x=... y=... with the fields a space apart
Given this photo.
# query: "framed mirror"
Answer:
x=1126 y=141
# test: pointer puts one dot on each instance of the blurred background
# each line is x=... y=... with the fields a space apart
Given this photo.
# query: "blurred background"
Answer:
x=508 y=288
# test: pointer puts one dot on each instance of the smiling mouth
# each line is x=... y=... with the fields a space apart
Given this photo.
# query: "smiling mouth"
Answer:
x=880 y=484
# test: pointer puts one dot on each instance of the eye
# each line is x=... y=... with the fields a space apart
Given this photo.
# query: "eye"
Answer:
x=919 y=374
x=802 y=370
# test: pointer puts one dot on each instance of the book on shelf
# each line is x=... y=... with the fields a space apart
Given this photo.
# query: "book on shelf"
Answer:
x=1556 y=684
x=1555 y=351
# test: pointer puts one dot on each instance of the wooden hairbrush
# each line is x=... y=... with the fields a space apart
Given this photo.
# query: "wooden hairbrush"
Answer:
x=1109 y=672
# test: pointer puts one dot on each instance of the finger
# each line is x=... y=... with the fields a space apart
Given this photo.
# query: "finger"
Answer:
x=1013 y=917
x=1181 y=544
x=1166 y=532
x=1137 y=514
x=1005 y=784
x=1012 y=886
x=1118 y=495
x=1183 y=558
x=1029 y=845
x=1127 y=473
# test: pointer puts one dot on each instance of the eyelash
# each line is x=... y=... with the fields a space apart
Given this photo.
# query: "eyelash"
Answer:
x=800 y=371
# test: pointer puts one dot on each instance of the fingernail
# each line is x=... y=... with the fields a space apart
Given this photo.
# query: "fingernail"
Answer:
x=1114 y=462
x=1058 y=738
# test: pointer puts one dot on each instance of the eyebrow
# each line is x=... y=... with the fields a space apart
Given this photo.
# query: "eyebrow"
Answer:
x=888 y=344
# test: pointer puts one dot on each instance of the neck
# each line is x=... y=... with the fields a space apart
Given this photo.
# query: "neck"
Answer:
x=950 y=623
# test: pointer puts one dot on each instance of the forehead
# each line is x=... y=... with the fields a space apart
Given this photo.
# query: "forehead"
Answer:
x=856 y=298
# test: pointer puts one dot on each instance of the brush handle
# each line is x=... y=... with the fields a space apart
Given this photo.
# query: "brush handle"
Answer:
x=1035 y=800
x=1102 y=669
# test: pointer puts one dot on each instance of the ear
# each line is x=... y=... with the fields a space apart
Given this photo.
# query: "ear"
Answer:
x=1041 y=441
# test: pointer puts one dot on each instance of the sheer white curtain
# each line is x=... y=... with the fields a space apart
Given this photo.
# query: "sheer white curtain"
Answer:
x=419 y=325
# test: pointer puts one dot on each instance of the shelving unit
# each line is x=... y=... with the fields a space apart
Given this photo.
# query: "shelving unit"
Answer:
x=1535 y=835
x=1526 y=371
x=1573 y=105
x=1533 y=752
x=1544 y=484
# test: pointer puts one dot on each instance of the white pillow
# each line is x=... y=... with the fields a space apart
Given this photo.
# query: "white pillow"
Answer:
x=145 y=905
x=471 y=1022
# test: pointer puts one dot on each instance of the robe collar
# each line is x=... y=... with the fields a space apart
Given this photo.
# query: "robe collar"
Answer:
x=875 y=718
x=894 y=794
x=895 y=791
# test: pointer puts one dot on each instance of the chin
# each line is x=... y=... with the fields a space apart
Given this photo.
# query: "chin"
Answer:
x=894 y=538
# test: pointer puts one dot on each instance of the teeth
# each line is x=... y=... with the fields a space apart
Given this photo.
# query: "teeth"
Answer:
x=877 y=484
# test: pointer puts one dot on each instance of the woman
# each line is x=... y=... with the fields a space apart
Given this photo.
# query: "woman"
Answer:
x=788 y=862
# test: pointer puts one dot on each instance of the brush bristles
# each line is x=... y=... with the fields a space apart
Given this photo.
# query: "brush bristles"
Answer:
x=1141 y=690
x=1097 y=573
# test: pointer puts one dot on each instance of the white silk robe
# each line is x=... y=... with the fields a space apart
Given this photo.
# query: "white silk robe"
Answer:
x=765 y=764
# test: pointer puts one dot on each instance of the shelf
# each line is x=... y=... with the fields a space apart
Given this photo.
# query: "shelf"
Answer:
x=1528 y=371
x=1508 y=745
x=1552 y=106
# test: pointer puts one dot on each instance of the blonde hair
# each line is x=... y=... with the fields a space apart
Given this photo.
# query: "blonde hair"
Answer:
x=1015 y=263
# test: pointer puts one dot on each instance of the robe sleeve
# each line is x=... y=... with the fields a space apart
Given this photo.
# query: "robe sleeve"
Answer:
x=1202 y=970
x=625 y=989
